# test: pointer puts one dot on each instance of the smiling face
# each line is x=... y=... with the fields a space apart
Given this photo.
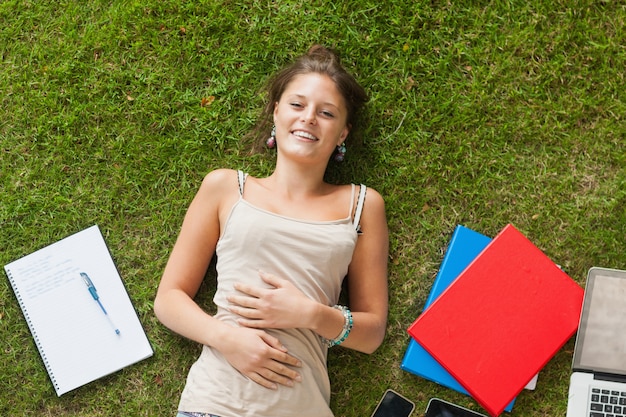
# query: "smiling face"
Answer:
x=310 y=117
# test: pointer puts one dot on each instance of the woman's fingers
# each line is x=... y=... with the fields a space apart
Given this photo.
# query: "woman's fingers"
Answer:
x=262 y=358
x=281 y=355
x=250 y=290
x=274 y=372
x=282 y=306
x=271 y=279
x=280 y=375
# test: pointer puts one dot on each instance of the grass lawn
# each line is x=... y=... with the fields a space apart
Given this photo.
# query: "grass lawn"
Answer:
x=481 y=113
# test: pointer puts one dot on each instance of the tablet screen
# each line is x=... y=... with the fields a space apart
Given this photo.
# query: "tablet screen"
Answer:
x=440 y=408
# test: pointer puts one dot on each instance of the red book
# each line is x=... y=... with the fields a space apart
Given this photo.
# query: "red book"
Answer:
x=501 y=320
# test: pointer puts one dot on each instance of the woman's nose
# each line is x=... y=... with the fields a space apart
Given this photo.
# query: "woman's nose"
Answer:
x=309 y=117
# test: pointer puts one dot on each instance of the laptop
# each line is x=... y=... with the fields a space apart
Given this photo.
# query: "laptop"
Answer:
x=598 y=381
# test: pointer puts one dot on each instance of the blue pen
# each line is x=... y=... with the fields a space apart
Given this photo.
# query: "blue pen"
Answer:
x=94 y=294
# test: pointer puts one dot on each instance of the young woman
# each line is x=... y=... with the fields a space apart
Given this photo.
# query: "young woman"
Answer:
x=284 y=244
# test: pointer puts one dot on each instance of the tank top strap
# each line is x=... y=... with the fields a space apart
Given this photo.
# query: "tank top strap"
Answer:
x=359 y=208
x=241 y=179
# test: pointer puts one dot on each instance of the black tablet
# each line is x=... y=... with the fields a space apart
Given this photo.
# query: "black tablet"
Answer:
x=393 y=405
x=441 y=408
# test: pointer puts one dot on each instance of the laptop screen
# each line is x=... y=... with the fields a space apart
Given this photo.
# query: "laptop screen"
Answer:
x=601 y=339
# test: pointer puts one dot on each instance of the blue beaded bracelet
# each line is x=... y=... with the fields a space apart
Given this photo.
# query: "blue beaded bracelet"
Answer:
x=345 y=331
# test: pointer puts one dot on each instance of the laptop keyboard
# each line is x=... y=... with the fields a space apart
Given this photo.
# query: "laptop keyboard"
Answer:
x=607 y=403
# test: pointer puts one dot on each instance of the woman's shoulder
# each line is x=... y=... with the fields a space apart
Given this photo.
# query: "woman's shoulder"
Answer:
x=220 y=174
x=218 y=192
x=373 y=201
x=220 y=181
x=372 y=195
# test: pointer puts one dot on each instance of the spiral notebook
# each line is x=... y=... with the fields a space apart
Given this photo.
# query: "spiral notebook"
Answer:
x=78 y=311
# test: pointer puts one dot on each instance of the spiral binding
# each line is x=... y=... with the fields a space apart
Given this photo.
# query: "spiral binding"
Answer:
x=33 y=332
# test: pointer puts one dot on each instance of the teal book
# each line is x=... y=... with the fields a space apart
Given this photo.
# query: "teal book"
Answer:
x=464 y=246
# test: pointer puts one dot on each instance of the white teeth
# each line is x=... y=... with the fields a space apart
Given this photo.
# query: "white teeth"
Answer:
x=304 y=135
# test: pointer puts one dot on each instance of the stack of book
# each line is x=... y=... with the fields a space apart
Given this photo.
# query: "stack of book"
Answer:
x=498 y=311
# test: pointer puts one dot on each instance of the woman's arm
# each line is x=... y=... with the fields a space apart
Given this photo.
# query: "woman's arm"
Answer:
x=367 y=283
x=174 y=305
x=256 y=354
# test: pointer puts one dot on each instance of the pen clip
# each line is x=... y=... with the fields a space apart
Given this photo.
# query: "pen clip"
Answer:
x=90 y=286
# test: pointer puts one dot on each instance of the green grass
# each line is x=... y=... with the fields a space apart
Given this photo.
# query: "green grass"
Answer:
x=481 y=113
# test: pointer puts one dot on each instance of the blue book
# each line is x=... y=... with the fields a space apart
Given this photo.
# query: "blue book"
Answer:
x=464 y=246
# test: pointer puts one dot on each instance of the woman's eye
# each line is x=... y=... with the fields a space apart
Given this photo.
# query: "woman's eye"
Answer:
x=328 y=114
x=297 y=105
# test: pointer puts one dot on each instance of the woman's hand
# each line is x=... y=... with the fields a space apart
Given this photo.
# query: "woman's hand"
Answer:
x=260 y=357
x=281 y=307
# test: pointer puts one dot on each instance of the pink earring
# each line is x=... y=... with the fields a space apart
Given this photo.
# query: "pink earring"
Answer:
x=340 y=153
x=271 y=141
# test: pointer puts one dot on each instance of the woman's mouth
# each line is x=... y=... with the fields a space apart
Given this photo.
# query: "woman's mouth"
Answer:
x=303 y=134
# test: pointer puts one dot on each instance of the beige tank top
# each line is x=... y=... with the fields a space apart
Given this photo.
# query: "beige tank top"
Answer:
x=315 y=256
